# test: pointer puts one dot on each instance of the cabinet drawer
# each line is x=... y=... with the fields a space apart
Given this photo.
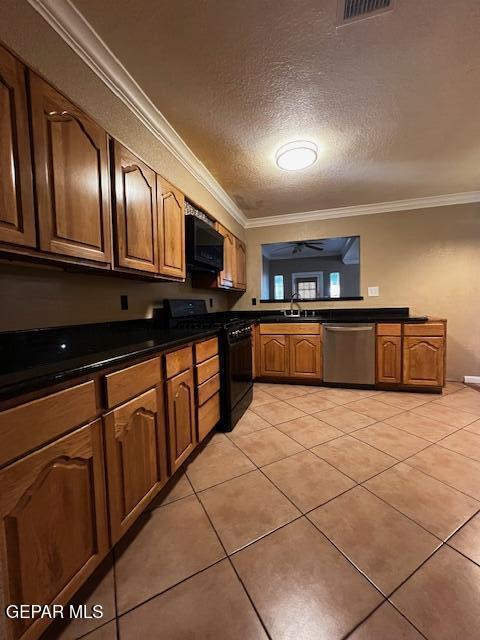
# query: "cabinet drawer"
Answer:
x=31 y=425
x=131 y=381
x=178 y=361
x=387 y=329
x=207 y=369
x=424 y=329
x=208 y=388
x=206 y=349
x=291 y=328
x=208 y=416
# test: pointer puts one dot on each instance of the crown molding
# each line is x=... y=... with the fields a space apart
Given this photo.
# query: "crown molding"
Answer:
x=367 y=209
x=72 y=27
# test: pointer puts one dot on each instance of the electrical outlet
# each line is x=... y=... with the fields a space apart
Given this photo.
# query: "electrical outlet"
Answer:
x=123 y=303
x=211 y=302
x=254 y=302
x=373 y=291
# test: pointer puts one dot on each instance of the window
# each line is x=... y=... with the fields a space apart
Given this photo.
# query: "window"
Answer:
x=307 y=289
x=335 y=285
x=278 y=293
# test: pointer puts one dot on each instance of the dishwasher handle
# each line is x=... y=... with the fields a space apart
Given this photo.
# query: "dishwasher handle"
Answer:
x=348 y=329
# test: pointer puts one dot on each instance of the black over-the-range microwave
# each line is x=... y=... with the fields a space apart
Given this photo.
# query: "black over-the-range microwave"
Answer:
x=204 y=245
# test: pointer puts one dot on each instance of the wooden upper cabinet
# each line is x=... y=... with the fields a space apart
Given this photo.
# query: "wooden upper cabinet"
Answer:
x=72 y=181
x=240 y=265
x=181 y=418
x=53 y=524
x=389 y=359
x=423 y=361
x=274 y=356
x=17 y=220
x=226 y=277
x=305 y=357
x=171 y=230
x=135 y=212
x=135 y=440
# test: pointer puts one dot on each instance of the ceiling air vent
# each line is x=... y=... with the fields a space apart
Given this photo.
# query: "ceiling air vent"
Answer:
x=353 y=10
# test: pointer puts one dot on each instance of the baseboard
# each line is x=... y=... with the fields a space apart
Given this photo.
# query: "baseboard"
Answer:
x=471 y=379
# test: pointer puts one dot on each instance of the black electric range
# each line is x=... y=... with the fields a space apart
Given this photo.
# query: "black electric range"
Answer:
x=235 y=337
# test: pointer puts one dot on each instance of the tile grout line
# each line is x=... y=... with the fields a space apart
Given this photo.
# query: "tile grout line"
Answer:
x=386 y=598
x=227 y=556
x=173 y=586
x=117 y=615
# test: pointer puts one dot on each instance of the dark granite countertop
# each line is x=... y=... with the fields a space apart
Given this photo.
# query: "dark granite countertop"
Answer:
x=38 y=358
x=48 y=357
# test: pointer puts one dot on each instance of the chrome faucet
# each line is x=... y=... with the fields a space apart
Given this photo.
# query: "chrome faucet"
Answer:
x=294 y=295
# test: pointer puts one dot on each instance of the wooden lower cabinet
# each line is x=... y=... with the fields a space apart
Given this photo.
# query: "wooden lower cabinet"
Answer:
x=423 y=361
x=53 y=524
x=136 y=457
x=208 y=416
x=274 y=356
x=181 y=418
x=389 y=359
x=305 y=357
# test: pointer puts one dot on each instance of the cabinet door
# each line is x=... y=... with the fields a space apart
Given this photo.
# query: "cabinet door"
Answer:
x=53 y=523
x=17 y=222
x=389 y=359
x=423 y=361
x=135 y=441
x=171 y=230
x=71 y=171
x=181 y=418
x=274 y=356
x=135 y=212
x=226 y=277
x=240 y=265
x=305 y=357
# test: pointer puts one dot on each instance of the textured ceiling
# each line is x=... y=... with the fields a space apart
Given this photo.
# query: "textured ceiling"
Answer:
x=393 y=101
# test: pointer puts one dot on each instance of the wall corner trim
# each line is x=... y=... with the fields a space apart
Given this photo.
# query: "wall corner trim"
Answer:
x=72 y=27
x=393 y=206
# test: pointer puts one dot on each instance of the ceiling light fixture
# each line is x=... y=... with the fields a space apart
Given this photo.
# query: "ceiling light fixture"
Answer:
x=296 y=155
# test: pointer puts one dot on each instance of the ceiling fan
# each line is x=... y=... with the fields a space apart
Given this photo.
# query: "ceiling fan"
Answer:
x=298 y=247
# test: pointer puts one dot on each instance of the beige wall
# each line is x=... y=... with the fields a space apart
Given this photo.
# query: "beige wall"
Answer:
x=32 y=296
x=428 y=260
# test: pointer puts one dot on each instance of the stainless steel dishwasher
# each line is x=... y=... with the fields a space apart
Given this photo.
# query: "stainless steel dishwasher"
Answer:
x=349 y=353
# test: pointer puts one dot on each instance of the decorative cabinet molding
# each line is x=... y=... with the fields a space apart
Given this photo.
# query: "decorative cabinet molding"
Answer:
x=17 y=219
x=53 y=518
x=274 y=356
x=72 y=181
x=240 y=265
x=423 y=360
x=135 y=212
x=136 y=457
x=305 y=357
x=181 y=418
x=171 y=230
x=389 y=359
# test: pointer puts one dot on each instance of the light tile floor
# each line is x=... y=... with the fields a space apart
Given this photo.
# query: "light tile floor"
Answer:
x=326 y=514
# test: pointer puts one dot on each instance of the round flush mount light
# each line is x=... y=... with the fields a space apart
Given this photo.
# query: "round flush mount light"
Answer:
x=296 y=155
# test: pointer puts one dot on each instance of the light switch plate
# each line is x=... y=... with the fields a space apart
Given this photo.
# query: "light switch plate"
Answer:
x=373 y=291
